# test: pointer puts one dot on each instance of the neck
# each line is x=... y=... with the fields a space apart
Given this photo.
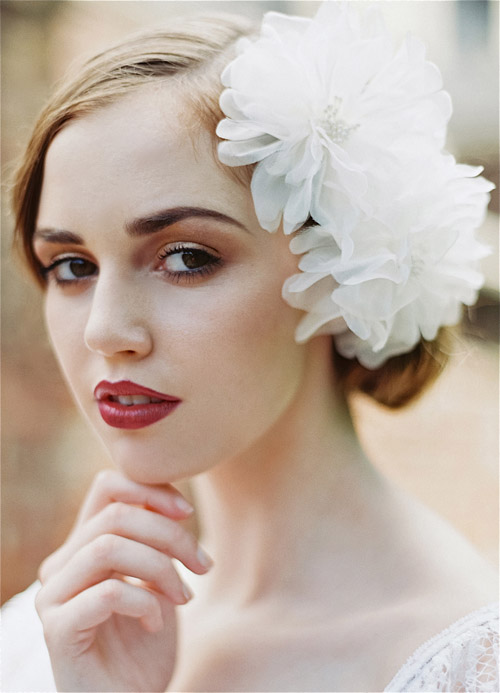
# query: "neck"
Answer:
x=289 y=501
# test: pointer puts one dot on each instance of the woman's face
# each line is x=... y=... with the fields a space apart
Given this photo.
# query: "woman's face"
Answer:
x=160 y=275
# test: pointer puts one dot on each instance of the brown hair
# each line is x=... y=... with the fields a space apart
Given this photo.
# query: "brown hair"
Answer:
x=197 y=47
x=197 y=50
x=400 y=379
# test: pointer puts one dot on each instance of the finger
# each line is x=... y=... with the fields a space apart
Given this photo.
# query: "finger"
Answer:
x=109 y=555
x=96 y=605
x=110 y=486
x=148 y=528
x=135 y=523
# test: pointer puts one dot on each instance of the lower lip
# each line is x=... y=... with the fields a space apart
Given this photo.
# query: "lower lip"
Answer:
x=135 y=415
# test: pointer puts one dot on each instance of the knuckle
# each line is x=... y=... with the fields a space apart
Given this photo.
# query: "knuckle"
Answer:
x=103 y=547
x=110 y=591
x=40 y=602
x=105 y=478
x=116 y=513
x=44 y=569
x=51 y=564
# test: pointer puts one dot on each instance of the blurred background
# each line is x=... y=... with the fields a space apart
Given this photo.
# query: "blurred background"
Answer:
x=443 y=449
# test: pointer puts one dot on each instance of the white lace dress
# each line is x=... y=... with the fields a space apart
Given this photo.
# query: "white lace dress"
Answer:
x=463 y=658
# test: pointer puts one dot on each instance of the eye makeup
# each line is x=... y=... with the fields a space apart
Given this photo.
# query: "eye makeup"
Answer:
x=69 y=269
x=178 y=262
x=188 y=262
x=185 y=252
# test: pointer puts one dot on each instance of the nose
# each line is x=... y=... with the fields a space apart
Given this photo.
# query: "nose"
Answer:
x=118 y=320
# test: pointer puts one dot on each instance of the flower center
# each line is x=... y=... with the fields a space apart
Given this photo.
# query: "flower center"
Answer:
x=338 y=130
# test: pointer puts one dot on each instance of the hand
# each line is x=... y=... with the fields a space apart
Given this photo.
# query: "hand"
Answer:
x=109 y=593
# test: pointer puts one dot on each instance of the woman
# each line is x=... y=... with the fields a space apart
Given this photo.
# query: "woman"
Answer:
x=164 y=306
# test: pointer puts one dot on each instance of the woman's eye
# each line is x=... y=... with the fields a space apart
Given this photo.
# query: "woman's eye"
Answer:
x=186 y=261
x=71 y=269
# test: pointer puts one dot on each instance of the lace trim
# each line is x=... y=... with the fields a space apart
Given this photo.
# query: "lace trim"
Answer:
x=485 y=617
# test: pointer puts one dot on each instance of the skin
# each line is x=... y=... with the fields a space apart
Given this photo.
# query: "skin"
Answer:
x=135 y=316
x=293 y=514
x=135 y=321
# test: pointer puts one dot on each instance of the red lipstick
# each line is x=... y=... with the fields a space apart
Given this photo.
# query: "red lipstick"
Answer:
x=127 y=405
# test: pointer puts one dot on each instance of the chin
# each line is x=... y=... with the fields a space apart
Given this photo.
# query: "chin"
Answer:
x=148 y=474
x=143 y=475
x=144 y=465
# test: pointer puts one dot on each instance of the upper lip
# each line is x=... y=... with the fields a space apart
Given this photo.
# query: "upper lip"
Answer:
x=105 y=389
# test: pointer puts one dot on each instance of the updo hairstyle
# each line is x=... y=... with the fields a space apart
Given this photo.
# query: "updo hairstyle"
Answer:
x=193 y=52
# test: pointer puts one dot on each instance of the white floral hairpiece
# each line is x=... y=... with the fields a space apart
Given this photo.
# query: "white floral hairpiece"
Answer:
x=348 y=132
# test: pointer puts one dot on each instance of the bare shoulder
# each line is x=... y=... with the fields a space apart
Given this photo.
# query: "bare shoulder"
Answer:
x=431 y=577
x=410 y=577
x=443 y=577
x=448 y=569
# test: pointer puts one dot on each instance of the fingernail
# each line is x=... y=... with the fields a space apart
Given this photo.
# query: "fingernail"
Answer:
x=204 y=559
x=183 y=505
x=187 y=592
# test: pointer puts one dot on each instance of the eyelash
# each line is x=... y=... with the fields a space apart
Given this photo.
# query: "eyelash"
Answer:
x=50 y=271
x=209 y=267
x=191 y=275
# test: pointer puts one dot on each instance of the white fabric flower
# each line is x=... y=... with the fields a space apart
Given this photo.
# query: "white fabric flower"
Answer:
x=348 y=131
x=403 y=271
x=327 y=108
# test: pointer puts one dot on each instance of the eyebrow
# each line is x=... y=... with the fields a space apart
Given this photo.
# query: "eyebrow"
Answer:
x=58 y=236
x=143 y=226
x=160 y=220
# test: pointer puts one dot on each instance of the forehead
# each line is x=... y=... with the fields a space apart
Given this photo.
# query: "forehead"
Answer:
x=144 y=150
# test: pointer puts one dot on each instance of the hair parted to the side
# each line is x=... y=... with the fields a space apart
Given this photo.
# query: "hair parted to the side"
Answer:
x=196 y=49
x=193 y=53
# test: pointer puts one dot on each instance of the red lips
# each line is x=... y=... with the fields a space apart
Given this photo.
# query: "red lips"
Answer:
x=151 y=407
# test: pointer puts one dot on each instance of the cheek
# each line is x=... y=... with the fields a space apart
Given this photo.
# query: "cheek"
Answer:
x=237 y=340
x=65 y=328
x=241 y=313
x=265 y=365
